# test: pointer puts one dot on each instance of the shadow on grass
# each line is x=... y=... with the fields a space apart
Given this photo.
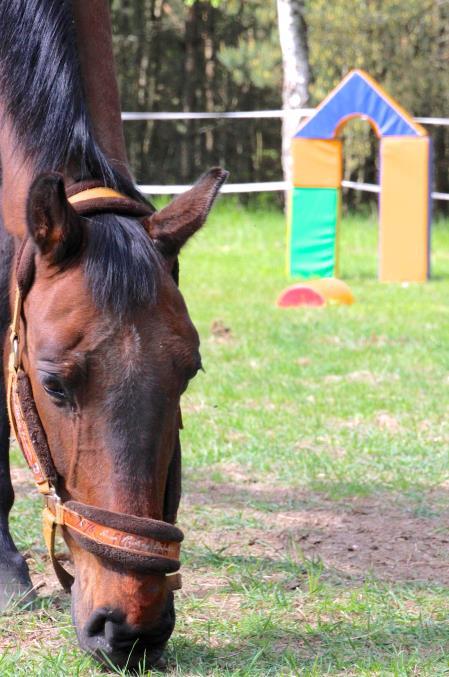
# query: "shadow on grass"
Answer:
x=328 y=648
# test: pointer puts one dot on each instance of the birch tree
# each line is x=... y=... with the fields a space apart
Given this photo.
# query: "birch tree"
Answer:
x=293 y=39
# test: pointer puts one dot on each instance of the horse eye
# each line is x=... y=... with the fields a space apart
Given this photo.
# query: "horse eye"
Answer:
x=54 y=388
x=191 y=373
x=198 y=367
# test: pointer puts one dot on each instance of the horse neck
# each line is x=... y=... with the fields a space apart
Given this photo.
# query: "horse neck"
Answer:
x=94 y=42
x=17 y=175
x=94 y=38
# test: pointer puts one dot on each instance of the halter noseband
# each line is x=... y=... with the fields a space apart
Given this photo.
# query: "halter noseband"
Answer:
x=145 y=545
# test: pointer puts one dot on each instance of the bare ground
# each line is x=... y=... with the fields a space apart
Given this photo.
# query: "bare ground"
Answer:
x=383 y=536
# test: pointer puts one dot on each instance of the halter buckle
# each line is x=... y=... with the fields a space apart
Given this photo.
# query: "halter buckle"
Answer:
x=54 y=504
x=15 y=352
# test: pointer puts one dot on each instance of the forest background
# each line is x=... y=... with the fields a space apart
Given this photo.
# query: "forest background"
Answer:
x=224 y=55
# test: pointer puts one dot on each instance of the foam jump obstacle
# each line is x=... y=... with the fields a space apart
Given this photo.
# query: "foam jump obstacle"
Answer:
x=317 y=292
x=405 y=185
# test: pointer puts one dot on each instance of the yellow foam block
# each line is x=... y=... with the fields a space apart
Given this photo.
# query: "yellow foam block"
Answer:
x=332 y=290
x=404 y=209
x=317 y=163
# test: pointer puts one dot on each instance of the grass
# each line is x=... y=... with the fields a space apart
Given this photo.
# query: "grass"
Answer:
x=303 y=418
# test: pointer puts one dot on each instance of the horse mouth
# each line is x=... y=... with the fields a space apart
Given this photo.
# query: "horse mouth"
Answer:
x=114 y=643
x=137 y=656
x=131 y=651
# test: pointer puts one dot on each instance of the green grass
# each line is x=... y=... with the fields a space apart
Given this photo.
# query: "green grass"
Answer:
x=299 y=410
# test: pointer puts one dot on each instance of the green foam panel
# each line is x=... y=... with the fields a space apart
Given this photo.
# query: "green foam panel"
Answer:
x=313 y=232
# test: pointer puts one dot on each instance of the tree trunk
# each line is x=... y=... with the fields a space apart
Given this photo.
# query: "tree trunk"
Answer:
x=293 y=39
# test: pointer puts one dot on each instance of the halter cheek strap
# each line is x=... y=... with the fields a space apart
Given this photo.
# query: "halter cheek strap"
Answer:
x=142 y=544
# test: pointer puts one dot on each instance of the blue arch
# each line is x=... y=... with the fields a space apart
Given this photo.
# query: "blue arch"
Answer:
x=359 y=95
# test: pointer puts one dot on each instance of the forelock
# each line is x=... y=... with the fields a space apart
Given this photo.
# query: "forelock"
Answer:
x=121 y=264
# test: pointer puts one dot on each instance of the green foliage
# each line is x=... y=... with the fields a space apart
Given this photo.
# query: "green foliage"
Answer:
x=244 y=61
x=197 y=56
x=225 y=55
x=404 y=44
x=214 y=3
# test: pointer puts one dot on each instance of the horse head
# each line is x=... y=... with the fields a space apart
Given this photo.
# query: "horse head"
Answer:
x=108 y=347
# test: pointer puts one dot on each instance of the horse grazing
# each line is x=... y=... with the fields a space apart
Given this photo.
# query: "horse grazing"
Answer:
x=102 y=343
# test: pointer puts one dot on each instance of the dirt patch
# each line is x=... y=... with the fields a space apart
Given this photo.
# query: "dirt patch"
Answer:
x=364 y=376
x=370 y=538
x=387 y=422
x=22 y=482
x=44 y=578
x=363 y=537
x=220 y=332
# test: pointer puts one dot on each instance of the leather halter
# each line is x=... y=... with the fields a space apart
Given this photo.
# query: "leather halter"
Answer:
x=152 y=546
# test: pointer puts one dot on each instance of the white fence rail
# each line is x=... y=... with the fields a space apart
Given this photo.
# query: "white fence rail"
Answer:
x=265 y=186
x=243 y=115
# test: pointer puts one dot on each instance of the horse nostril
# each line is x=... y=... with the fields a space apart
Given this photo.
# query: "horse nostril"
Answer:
x=96 y=625
x=119 y=636
x=108 y=634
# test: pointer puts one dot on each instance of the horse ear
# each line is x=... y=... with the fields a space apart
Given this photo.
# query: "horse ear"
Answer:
x=174 y=224
x=52 y=222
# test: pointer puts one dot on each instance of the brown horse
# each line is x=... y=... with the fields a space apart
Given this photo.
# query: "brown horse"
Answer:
x=106 y=340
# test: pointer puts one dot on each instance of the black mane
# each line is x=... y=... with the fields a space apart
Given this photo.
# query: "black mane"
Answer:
x=41 y=88
x=121 y=264
x=42 y=94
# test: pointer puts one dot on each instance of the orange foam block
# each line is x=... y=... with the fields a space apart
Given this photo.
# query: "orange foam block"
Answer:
x=333 y=290
x=404 y=209
x=317 y=163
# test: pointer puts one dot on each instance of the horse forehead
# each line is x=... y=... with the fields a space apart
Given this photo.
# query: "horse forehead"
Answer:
x=64 y=314
x=60 y=297
x=131 y=342
x=68 y=328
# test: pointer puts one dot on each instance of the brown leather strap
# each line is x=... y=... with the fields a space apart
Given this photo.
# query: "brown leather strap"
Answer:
x=103 y=199
x=49 y=526
x=25 y=265
x=23 y=434
x=173 y=581
x=119 y=540
x=94 y=194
